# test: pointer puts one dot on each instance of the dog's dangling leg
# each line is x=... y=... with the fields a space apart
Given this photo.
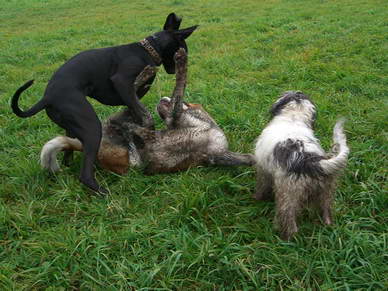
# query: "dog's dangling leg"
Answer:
x=325 y=202
x=263 y=185
x=287 y=207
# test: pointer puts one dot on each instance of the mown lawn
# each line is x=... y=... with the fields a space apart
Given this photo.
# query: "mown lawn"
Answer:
x=199 y=229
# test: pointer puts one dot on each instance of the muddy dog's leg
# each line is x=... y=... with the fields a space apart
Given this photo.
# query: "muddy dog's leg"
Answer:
x=180 y=58
x=146 y=134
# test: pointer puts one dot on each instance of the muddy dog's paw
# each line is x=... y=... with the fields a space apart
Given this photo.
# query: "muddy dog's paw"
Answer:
x=131 y=127
x=145 y=134
x=147 y=73
x=180 y=57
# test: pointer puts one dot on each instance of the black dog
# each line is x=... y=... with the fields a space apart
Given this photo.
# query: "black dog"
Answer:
x=107 y=75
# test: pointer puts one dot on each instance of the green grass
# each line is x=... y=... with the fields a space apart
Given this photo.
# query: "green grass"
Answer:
x=199 y=229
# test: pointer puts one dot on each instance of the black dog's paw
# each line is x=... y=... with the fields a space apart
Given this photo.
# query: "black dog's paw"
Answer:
x=102 y=191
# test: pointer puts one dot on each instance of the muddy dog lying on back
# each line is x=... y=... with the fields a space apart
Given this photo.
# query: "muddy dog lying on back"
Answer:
x=192 y=137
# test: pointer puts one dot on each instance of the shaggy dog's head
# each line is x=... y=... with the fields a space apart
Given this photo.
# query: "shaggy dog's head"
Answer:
x=296 y=105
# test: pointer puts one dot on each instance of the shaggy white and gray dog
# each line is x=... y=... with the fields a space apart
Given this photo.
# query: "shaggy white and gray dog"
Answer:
x=292 y=165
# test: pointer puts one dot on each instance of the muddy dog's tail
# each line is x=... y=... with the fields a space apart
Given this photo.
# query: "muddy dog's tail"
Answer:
x=48 y=155
x=33 y=110
x=340 y=148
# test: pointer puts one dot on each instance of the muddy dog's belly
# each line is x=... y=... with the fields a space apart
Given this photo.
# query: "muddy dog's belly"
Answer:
x=118 y=159
x=113 y=157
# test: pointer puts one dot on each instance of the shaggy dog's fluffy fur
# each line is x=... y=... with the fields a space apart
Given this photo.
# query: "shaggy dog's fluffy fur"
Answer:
x=291 y=163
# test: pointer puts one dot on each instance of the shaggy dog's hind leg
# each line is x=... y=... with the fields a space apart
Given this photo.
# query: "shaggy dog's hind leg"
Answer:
x=326 y=200
x=287 y=194
x=263 y=185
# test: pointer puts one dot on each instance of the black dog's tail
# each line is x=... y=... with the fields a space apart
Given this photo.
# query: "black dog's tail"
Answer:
x=33 y=110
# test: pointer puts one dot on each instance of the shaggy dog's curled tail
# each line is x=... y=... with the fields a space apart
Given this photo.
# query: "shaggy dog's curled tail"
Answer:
x=292 y=156
x=48 y=155
x=340 y=149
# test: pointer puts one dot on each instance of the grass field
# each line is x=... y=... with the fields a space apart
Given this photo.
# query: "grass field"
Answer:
x=199 y=229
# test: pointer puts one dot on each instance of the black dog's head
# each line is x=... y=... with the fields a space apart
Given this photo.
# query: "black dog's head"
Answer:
x=169 y=40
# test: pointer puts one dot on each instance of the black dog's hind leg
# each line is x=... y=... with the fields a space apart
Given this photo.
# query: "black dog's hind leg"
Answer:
x=91 y=145
x=89 y=132
x=78 y=117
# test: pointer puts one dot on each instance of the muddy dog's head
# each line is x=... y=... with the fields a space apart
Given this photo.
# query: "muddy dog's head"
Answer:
x=169 y=40
x=177 y=113
x=192 y=115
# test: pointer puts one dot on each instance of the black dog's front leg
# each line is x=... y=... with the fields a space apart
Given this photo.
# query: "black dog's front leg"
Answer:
x=126 y=89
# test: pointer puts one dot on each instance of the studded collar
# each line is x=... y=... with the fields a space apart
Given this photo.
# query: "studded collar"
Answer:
x=151 y=50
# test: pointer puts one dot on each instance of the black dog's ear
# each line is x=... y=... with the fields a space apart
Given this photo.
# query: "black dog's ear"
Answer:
x=172 y=22
x=185 y=33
